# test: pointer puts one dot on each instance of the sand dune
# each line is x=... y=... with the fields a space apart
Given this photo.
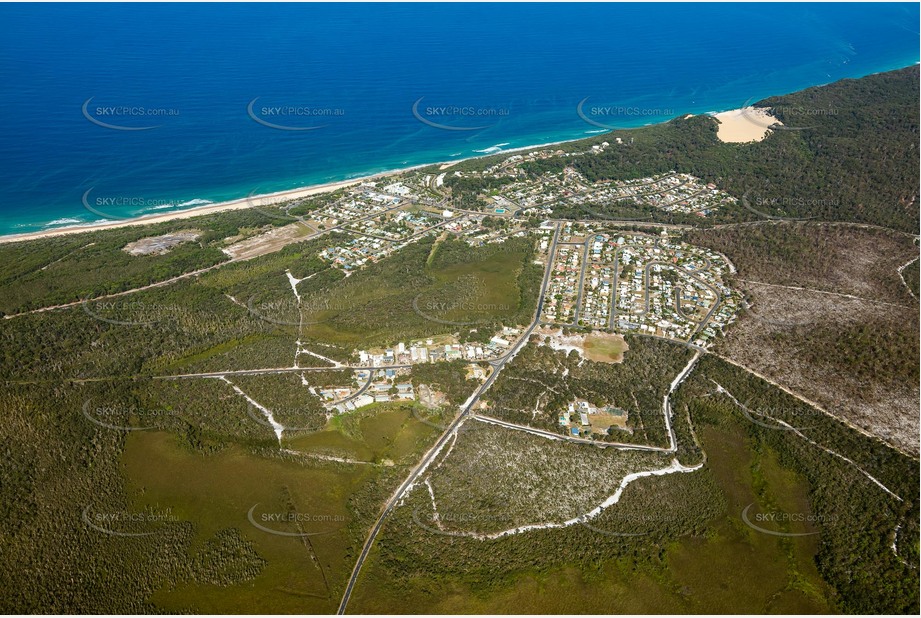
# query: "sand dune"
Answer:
x=748 y=124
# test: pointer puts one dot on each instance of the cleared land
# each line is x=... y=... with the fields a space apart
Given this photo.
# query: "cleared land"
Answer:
x=540 y=383
x=829 y=318
x=605 y=347
x=158 y=245
x=268 y=242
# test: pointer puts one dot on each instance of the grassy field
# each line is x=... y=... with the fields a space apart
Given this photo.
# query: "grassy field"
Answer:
x=216 y=493
x=380 y=433
x=303 y=574
x=605 y=348
x=540 y=383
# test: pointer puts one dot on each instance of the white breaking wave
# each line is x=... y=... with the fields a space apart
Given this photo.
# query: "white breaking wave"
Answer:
x=492 y=149
x=195 y=202
x=66 y=221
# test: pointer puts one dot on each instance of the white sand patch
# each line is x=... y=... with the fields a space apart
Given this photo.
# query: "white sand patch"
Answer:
x=749 y=124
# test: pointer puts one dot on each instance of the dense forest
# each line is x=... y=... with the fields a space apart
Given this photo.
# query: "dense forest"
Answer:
x=68 y=268
x=855 y=157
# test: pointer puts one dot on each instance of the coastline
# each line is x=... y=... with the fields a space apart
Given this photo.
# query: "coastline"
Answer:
x=262 y=199
x=727 y=119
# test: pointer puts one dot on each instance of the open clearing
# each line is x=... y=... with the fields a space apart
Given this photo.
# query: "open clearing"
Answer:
x=158 y=245
x=302 y=573
x=605 y=347
x=268 y=242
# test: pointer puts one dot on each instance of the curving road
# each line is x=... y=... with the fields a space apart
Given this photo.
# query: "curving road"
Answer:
x=357 y=393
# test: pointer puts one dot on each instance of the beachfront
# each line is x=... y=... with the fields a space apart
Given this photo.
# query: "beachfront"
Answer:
x=735 y=126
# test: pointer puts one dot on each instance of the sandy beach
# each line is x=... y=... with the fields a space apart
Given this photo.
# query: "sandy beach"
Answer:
x=246 y=202
x=264 y=199
x=748 y=124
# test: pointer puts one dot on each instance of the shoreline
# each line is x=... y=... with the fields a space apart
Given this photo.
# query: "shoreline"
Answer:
x=266 y=199
x=262 y=199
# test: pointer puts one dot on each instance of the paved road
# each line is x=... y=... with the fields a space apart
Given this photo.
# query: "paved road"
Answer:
x=612 y=314
x=443 y=439
x=356 y=394
x=680 y=342
x=589 y=192
x=678 y=308
x=716 y=303
x=648 y=266
x=429 y=229
x=716 y=293
x=578 y=307
x=640 y=223
x=666 y=411
x=555 y=436
x=703 y=323
x=218 y=374
x=673 y=202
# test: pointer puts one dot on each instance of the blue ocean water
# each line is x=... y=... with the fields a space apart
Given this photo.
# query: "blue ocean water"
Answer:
x=497 y=76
